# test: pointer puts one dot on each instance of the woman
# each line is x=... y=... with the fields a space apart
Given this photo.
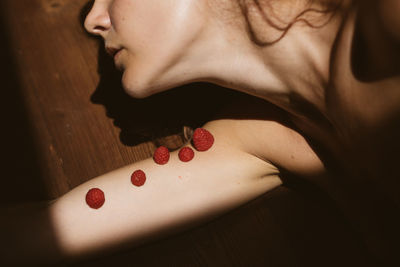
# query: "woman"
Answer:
x=321 y=62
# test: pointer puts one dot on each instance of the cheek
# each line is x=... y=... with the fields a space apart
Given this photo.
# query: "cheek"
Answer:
x=142 y=23
x=156 y=35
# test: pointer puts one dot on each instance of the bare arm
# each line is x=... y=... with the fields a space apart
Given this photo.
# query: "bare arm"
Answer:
x=176 y=196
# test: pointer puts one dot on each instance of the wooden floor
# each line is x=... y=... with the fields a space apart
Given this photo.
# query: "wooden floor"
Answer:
x=66 y=120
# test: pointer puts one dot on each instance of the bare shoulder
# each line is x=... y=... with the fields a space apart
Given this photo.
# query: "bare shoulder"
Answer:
x=264 y=131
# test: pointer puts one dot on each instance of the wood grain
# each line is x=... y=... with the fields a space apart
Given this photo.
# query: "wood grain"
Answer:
x=62 y=102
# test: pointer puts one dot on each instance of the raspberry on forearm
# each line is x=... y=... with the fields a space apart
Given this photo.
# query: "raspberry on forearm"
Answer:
x=161 y=155
x=186 y=154
x=95 y=198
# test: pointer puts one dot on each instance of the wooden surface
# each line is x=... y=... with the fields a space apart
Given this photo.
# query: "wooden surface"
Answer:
x=62 y=103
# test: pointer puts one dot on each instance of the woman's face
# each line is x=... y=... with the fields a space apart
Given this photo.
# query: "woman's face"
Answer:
x=150 y=40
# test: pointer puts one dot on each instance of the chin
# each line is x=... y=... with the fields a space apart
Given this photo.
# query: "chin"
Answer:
x=136 y=92
x=135 y=86
x=142 y=86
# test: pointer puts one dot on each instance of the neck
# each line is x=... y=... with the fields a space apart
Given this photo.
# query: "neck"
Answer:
x=292 y=73
x=294 y=68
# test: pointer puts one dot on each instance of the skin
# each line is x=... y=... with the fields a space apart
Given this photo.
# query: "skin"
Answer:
x=188 y=53
x=308 y=74
x=151 y=57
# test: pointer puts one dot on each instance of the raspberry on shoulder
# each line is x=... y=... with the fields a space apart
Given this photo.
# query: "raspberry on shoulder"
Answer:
x=202 y=140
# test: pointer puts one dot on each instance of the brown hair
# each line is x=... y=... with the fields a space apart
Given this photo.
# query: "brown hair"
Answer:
x=267 y=11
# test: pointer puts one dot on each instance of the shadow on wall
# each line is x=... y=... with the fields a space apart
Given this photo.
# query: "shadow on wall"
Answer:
x=158 y=116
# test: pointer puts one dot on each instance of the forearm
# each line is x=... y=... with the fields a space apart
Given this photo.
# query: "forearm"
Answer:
x=175 y=196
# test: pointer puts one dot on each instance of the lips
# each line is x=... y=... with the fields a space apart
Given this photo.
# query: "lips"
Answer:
x=112 y=51
x=115 y=52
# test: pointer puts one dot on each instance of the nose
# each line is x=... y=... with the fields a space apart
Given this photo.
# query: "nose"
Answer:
x=98 y=21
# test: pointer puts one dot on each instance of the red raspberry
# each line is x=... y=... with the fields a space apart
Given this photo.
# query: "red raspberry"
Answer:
x=95 y=198
x=202 y=139
x=138 y=178
x=186 y=154
x=161 y=155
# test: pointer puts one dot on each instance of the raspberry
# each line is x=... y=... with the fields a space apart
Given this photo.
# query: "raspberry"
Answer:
x=161 y=155
x=202 y=139
x=95 y=198
x=138 y=178
x=186 y=154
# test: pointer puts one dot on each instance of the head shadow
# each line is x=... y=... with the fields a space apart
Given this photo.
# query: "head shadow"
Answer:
x=157 y=116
